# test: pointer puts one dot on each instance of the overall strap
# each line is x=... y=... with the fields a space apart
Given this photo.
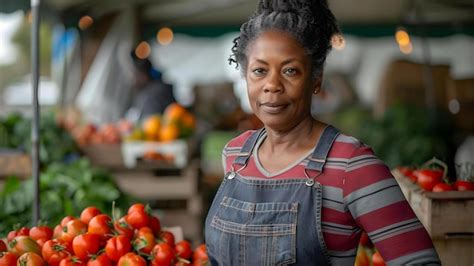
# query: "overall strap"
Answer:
x=246 y=151
x=318 y=158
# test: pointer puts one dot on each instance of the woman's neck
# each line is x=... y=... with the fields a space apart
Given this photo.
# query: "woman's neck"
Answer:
x=302 y=137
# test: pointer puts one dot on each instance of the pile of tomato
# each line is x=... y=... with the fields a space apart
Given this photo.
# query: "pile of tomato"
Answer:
x=96 y=239
x=434 y=178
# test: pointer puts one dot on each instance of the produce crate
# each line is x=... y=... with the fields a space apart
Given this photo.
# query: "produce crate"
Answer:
x=447 y=216
x=15 y=163
x=104 y=155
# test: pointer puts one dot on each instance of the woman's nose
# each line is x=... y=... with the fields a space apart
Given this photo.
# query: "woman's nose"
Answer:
x=273 y=84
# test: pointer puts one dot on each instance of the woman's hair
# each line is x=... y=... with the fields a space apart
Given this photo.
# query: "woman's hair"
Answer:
x=308 y=21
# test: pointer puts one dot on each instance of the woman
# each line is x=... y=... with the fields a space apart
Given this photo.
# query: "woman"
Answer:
x=298 y=191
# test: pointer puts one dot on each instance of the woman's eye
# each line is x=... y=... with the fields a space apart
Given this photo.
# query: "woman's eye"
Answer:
x=290 y=71
x=258 y=71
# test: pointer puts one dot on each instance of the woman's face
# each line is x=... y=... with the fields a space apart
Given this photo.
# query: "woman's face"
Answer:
x=279 y=81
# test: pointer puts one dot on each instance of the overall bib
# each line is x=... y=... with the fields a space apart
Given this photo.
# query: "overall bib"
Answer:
x=256 y=221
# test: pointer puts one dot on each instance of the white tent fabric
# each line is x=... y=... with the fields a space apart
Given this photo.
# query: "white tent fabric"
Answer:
x=106 y=89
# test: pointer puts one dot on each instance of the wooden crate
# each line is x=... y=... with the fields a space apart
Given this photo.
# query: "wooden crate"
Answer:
x=104 y=155
x=447 y=216
x=15 y=163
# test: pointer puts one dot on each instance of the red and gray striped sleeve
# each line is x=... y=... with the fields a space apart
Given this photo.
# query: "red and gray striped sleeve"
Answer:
x=378 y=206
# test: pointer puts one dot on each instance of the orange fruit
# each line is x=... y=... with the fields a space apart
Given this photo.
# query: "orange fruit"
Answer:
x=189 y=121
x=151 y=127
x=169 y=132
x=174 y=112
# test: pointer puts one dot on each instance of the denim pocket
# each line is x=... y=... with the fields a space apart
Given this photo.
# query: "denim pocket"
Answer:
x=247 y=233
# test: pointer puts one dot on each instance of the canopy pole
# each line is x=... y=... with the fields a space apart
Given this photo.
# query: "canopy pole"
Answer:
x=35 y=129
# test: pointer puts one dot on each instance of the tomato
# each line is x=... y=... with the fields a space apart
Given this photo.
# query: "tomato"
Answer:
x=428 y=178
x=123 y=228
x=86 y=245
x=464 y=185
x=200 y=253
x=72 y=229
x=41 y=242
x=201 y=262
x=405 y=170
x=155 y=225
x=71 y=261
x=361 y=258
x=88 y=213
x=167 y=237
x=66 y=219
x=183 y=249
x=137 y=217
x=54 y=251
x=145 y=240
x=22 y=244
x=162 y=254
x=58 y=230
x=441 y=187
x=377 y=259
x=7 y=259
x=41 y=232
x=100 y=225
x=365 y=240
x=117 y=246
x=30 y=259
x=24 y=231
x=131 y=259
x=3 y=246
x=101 y=260
x=182 y=263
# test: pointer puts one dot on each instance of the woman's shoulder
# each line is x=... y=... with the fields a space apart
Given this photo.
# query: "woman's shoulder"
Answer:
x=347 y=146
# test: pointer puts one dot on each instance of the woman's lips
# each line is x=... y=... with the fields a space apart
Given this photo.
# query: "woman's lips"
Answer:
x=273 y=108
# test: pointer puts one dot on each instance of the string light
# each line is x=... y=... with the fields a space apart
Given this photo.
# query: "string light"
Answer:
x=85 y=22
x=406 y=49
x=402 y=37
x=143 y=50
x=165 y=36
x=338 y=41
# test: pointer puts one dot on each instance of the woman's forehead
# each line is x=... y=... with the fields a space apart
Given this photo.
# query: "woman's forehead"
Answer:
x=276 y=42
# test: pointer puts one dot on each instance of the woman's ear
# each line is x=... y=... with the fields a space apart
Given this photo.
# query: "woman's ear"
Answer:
x=317 y=83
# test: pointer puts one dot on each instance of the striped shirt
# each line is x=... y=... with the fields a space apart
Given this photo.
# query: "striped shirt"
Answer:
x=359 y=194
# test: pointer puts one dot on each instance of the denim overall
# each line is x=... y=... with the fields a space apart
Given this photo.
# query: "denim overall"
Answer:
x=255 y=221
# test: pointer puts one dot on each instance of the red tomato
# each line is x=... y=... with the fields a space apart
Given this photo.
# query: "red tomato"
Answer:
x=101 y=260
x=200 y=253
x=24 y=231
x=428 y=178
x=123 y=228
x=72 y=229
x=201 y=262
x=3 y=246
x=167 y=237
x=131 y=259
x=30 y=259
x=66 y=219
x=41 y=232
x=100 y=225
x=137 y=217
x=7 y=259
x=88 y=213
x=71 y=261
x=58 y=230
x=464 y=185
x=117 y=246
x=22 y=244
x=86 y=245
x=155 y=225
x=162 y=254
x=405 y=170
x=183 y=249
x=377 y=259
x=441 y=187
x=54 y=251
x=145 y=240
x=365 y=240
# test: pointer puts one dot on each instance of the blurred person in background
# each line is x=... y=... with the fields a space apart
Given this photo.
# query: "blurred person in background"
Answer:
x=151 y=95
x=298 y=191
